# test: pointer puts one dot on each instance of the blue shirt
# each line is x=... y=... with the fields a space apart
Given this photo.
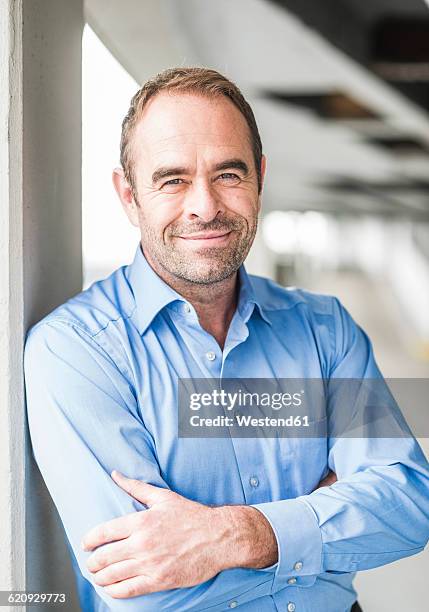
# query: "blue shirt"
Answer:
x=101 y=381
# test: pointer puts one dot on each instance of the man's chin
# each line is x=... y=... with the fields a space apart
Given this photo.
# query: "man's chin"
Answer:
x=205 y=274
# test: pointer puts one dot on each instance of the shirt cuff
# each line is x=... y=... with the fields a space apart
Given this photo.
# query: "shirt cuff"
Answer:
x=299 y=542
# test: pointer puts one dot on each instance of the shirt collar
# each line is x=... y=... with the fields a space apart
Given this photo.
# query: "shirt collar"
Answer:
x=247 y=297
x=152 y=294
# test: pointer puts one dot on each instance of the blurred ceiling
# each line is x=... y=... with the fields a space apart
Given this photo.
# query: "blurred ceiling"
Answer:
x=388 y=37
x=344 y=132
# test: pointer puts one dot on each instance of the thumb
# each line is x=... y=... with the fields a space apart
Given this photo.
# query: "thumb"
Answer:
x=142 y=491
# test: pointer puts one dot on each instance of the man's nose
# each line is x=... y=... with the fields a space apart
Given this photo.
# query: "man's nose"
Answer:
x=203 y=202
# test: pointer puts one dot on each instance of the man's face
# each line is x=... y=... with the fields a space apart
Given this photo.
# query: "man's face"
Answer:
x=196 y=186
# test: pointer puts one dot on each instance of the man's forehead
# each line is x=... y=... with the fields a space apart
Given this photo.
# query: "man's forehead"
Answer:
x=194 y=155
x=190 y=147
x=172 y=121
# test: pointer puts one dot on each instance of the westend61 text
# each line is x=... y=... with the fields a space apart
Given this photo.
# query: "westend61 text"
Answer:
x=248 y=421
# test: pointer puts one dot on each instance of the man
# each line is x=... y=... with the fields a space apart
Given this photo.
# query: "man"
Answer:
x=162 y=522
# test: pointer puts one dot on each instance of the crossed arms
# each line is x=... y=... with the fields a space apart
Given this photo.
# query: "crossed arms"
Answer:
x=377 y=512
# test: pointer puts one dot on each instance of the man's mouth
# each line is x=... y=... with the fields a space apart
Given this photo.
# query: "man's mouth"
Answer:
x=206 y=238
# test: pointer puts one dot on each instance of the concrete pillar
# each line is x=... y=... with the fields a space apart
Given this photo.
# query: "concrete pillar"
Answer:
x=12 y=479
x=40 y=258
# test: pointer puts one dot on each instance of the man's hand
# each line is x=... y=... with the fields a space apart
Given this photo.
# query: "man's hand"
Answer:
x=327 y=481
x=177 y=542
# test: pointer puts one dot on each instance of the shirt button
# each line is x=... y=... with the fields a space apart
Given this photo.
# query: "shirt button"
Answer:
x=254 y=481
x=291 y=581
x=291 y=607
x=233 y=604
x=211 y=357
x=187 y=308
x=298 y=566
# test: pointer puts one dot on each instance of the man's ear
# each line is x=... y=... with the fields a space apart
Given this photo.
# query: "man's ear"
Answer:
x=263 y=169
x=125 y=193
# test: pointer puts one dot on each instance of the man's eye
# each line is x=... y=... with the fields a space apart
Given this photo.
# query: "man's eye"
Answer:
x=175 y=181
x=229 y=176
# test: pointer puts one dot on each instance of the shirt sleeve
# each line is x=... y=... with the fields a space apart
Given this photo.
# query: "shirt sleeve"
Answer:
x=84 y=422
x=378 y=510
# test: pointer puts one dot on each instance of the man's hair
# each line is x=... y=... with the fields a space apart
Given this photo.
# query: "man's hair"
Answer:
x=196 y=80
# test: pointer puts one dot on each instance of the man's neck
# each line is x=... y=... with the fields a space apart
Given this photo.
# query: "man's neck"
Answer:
x=214 y=304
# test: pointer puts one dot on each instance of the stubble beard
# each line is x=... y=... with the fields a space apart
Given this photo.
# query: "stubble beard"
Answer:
x=207 y=265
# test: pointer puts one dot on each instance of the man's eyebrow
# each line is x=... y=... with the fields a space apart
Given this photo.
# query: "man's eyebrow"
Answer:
x=165 y=172
x=236 y=163
x=228 y=164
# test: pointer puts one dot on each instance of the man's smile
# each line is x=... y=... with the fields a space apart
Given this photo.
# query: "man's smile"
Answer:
x=209 y=239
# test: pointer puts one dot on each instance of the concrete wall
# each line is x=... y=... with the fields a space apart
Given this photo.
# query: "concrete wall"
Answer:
x=40 y=258
x=52 y=33
x=12 y=523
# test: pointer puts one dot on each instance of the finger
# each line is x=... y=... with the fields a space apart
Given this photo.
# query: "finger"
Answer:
x=132 y=587
x=111 y=531
x=117 y=572
x=109 y=554
x=328 y=480
x=142 y=491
